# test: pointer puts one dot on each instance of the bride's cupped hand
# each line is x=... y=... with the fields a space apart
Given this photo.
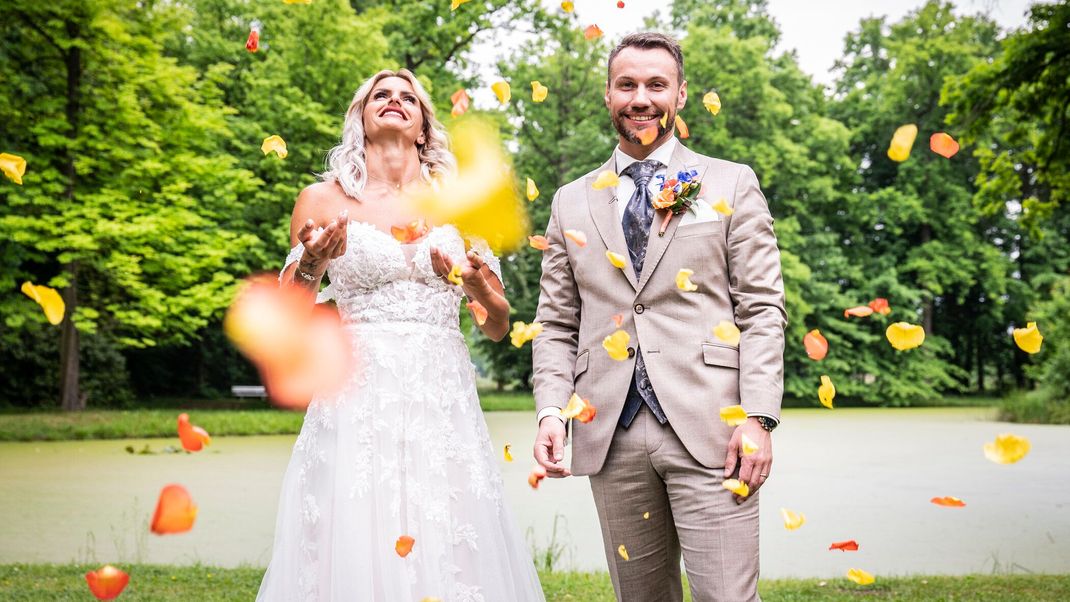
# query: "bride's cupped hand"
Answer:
x=323 y=244
x=473 y=281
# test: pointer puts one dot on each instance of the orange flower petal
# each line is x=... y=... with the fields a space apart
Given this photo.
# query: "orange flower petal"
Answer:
x=538 y=242
x=410 y=232
x=536 y=476
x=580 y=409
x=577 y=236
x=175 y=511
x=107 y=582
x=478 y=312
x=949 y=501
x=817 y=347
x=682 y=128
x=845 y=546
x=880 y=306
x=618 y=319
x=943 y=144
x=648 y=135
x=404 y=545
x=861 y=311
x=592 y=32
x=460 y=102
x=193 y=438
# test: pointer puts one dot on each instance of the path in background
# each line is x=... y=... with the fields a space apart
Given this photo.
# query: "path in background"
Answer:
x=863 y=474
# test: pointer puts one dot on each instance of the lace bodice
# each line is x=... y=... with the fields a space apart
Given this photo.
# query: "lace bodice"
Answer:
x=379 y=279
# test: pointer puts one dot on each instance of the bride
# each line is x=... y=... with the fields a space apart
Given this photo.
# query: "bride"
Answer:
x=402 y=451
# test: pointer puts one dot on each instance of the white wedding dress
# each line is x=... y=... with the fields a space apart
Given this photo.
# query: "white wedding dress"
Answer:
x=402 y=449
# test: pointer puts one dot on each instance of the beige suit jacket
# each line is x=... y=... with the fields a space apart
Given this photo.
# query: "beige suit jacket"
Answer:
x=736 y=266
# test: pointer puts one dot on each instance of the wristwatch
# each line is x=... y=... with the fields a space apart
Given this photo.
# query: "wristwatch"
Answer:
x=767 y=423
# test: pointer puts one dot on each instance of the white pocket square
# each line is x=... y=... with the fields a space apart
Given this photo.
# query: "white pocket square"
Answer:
x=700 y=212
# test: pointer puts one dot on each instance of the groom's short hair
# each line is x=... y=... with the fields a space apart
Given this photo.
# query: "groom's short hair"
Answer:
x=647 y=40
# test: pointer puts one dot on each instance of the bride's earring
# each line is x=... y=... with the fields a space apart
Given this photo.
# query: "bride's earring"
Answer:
x=420 y=141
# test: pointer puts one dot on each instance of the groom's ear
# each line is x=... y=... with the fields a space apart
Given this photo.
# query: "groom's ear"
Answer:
x=605 y=96
x=682 y=98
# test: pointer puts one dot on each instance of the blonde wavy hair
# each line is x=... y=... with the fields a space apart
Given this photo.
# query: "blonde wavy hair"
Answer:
x=345 y=162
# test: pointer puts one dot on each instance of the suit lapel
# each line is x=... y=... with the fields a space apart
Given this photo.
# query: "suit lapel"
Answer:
x=604 y=213
x=656 y=245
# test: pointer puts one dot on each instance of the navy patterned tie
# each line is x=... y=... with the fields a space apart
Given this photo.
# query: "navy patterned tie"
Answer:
x=637 y=218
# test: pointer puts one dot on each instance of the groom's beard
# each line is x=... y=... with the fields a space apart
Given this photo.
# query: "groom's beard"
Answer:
x=618 y=123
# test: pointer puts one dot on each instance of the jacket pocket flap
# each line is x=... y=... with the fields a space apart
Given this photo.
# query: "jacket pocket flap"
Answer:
x=581 y=363
x=720 y=355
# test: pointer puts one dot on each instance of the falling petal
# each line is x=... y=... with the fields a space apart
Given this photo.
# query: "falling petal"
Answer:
x=664 y=121
x=618 y=319
x=1007 y=449
x=175 y=511
x=606 y=179
x=533 y=190
x=275 y=143
x=522 y=333
x=300 y=348
x=712 y=102
x=404 y=545
x=748 y=446
x=538 y=91
x=616 y=259
x=860 y=311
x=943 y=144
x=646 y=516
x=13 y=166
x=481 y=199
x=727 y=332
x=49 y=300
x=455 y=275
x=502 y=91
x=860 y=577
x=880 y=306
x=721 y=206
x=905 y=336
x=455 y=3
x=460 y=102
x=577 y=236
x=792 y=520
x=410 y=232
x=845 y=546
x=507 y=454
x=623 y=551
x=1028 y=339
x=568 y=6
x=902 y=141
x=620 y=3
x=478 y=312
x=949 y=501
x=648 y=135
x=536 y=476
x=682 y=128
x=252 y=43
x=683 y=280
x=816 y=345
x=826 y=392
x=592 y=32
x=107 y=582
x=737 y=487
x=193 y=438
x=580 y=409
x=538 y=242
x=733 y=415
x=616 y=345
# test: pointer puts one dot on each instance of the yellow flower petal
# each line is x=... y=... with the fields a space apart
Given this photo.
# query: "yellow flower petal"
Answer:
x=860 y=577
x=683 y=280
x=568 y=6
x=573 y=407
x=538 y=91
x=664 y=120
x=455 y=3
x=721 y=206
x=712 y=102
x=737 y=487
x=508 y=456
x=533 y=190
x=905 y=336
x=681 y=127
x=49 y=300
x=522 y=333
x=616 y=345
x=481 y=199
x=622 y=551
x=455 y=275
x=1029 y=338
x=826 y=392
x=606 y=179
x=733 y=415
x=502 y=91
x=1007 y=449
x=13 y=166
x=748 y=446
x=792 y=520
x=727 y=332
x=902 y=142
x=615 y=258
x=646 y=516
x=275 y=143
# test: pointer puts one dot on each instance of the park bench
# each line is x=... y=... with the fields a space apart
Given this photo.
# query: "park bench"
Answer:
x=248 y=391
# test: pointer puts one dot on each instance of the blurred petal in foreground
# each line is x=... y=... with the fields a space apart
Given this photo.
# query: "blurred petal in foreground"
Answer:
x=107 y=582
x=175 y=511
x=727 y=332
x=1007 y=449
x=523 y=332
x=736 y=486
x=733 y=415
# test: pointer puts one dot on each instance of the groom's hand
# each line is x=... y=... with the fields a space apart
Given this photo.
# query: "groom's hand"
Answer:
x=550 y=447
x=753 y=469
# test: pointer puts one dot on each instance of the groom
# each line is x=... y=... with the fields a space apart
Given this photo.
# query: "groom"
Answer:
x=657 y=452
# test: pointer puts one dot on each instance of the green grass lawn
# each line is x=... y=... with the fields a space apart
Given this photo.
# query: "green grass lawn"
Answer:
x=163 y=583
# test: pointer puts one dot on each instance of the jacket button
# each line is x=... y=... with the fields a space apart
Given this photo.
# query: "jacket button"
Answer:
x=631 y=352
x=639 y=308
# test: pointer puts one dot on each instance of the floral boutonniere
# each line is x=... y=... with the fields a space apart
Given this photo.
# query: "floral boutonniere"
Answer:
x=676 y=195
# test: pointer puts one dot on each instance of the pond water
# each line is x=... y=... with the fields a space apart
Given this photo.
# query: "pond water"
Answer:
x=862 y=474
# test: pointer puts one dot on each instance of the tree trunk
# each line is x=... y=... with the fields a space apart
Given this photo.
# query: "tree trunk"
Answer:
x=70 y=395
x=980 y=365
x=928 y=305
